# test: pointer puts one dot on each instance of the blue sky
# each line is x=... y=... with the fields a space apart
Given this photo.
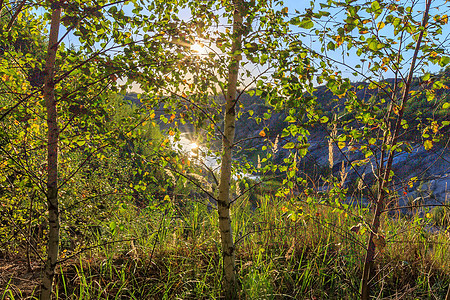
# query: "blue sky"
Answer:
x=440 y=7
x=352 y=59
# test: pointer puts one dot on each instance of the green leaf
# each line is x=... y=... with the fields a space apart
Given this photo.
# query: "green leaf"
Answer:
x=81 y=142
x=444 y=61
x=306 y=23
x=285 y=132
x=446 y=105
x=295 y=21
x=331 y=46
x=264 y=58
x=289 y=145
x=290 y=119
x=375 y=6
x=373 y=45
x=324 y=119
x=404 y=124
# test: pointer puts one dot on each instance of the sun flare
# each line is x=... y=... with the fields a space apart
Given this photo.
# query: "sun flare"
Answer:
x=199 y=48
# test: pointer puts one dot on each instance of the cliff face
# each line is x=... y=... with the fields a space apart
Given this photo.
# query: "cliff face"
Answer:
x=429 y=169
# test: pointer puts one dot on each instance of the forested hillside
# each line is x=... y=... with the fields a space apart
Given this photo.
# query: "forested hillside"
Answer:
x=224 y=150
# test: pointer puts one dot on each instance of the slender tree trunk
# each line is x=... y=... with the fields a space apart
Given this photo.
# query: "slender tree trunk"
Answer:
x=29 y=234
x=395 y=130
x=52 y=158
x=230 y=286
x=447 y=297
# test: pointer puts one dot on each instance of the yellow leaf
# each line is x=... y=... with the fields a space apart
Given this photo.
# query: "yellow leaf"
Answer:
x=428 y=144
x=152 y=115
x=429 y=216
x=262 y=133
x=395 y=109
x=171 y=132
x=164 y=143
x=381 y=25
x=435 y=127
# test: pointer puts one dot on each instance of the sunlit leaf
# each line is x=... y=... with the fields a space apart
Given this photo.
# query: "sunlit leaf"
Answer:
x=289 y=145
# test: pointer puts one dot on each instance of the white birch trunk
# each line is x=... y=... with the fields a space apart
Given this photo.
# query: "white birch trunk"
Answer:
x=230 y=286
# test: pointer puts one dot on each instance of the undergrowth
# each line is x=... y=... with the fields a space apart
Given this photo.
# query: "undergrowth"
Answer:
x=285 y=250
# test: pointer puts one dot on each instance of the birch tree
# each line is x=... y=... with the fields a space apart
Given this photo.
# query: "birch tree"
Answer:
x=52 y=155
x=376 y=41
x=202 y=58
x=223 y=201
x=75 y=82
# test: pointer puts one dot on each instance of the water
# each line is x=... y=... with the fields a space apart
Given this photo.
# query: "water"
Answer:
x=199 y=155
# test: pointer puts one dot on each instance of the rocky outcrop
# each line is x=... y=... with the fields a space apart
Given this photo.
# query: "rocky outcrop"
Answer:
x=421 y=177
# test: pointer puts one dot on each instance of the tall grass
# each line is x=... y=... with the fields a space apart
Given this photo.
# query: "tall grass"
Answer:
x=286 y=249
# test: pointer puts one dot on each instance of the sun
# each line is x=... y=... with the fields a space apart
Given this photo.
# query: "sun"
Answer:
x=199 y=48
x=194 y=149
